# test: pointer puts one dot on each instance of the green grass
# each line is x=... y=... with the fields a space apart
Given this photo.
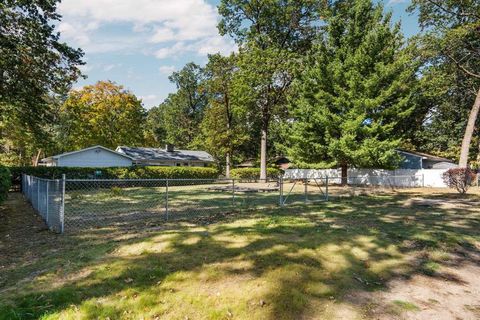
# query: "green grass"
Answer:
x=278 y=263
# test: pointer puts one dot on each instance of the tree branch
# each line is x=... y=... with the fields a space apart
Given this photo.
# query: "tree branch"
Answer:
x=459 y=65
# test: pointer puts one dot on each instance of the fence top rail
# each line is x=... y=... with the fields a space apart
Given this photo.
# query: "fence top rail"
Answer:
x=166 y=179
x=42 y=179
x=352 y=177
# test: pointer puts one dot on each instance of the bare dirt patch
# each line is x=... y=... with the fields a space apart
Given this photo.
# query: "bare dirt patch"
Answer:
x=453 y=293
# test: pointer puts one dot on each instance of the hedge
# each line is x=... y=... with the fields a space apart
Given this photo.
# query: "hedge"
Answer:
x=254 y=173
x=5 y=181
x=114 y=173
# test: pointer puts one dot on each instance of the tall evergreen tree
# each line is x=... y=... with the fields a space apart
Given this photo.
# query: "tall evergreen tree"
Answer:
x=355 y=92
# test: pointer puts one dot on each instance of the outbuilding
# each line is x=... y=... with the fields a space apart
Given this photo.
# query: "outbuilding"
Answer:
x=420 y=160
x=95 y=157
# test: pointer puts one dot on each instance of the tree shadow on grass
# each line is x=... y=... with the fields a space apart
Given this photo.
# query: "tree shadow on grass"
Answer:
x=298 y=258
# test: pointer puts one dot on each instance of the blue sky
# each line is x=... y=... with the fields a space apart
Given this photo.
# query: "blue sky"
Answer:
x=139 y=43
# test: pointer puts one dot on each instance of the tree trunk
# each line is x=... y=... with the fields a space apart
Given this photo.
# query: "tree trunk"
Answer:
x=36 y=159
x=344 y=174
x=467 y=138
x=227 y=165
x=263 y=155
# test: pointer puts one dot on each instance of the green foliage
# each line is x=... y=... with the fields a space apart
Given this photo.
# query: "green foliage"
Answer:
x=178 y=118
x=102 y=114
x=5 y=182
x=36 y=68
x=34 y=62
x=254 y=173
x=288 y=24
x=224 y=126
x=115 y=173
x=451 y=78
x=353 y=98
x=273 y=36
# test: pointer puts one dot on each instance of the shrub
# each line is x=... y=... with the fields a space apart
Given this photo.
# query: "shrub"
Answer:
x=5 y=182
x=115 y=173
x=254 y=173
x=459 y=178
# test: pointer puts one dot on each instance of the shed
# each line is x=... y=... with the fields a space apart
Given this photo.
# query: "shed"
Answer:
x=95 y=157
x=420 y=160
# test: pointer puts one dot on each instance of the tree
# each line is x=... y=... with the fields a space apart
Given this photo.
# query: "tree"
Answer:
x=34 y=63
x=262 y=87
x=453 y=37
x=355 y=92
x=182 y=111
x=223 y=125
x=155 y=133
x=445 y=94
x=104 y=114
x=269 y=34
x=35 y=68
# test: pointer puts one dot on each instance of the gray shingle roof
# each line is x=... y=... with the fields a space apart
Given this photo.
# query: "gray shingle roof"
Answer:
x=162 y=155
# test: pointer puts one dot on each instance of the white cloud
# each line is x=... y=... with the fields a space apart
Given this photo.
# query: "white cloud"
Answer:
x=167 y=27
x=85 y=68
x=112 y=66
x=167 y=70
x=167 y=52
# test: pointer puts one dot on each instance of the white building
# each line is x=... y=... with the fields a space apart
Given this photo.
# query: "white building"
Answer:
x=101 y=157
x=96 y=157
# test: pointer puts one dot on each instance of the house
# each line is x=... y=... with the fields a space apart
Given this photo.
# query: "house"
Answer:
x=166 y=157
x=96 y=156
x=419 y=160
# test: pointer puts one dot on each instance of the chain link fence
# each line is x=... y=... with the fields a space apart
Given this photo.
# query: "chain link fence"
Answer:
x=47 y=198
x=78 y=204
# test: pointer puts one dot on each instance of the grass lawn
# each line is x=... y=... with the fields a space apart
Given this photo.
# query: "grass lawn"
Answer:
x=333 y=260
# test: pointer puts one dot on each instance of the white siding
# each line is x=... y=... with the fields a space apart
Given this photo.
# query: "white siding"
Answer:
x=423 y=177
x=97 y=157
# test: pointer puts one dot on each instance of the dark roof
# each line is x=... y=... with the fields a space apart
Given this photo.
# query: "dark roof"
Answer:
x=426 y=156
x=163 y=155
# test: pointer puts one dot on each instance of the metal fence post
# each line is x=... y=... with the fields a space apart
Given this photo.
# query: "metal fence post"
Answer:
x=62 y=208
x=326 y=188
x=166 y=198
x=306 y=191
x=46 y=201
x=38 y=196
x=233 y=192
x=280 y=188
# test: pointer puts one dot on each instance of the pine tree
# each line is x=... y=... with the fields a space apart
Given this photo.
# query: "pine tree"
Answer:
x=354 y=95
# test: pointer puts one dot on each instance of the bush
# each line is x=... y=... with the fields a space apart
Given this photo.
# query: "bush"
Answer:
x=5 y=182
x=254 y=173
x=114 y=173
x=459 y=178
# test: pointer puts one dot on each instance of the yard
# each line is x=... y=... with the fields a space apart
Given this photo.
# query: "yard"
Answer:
x=408 y=254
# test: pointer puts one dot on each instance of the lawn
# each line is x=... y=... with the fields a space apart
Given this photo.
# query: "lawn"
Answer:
x=351 y=258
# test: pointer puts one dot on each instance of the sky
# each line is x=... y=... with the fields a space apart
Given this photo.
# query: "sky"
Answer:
x=139 y=43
